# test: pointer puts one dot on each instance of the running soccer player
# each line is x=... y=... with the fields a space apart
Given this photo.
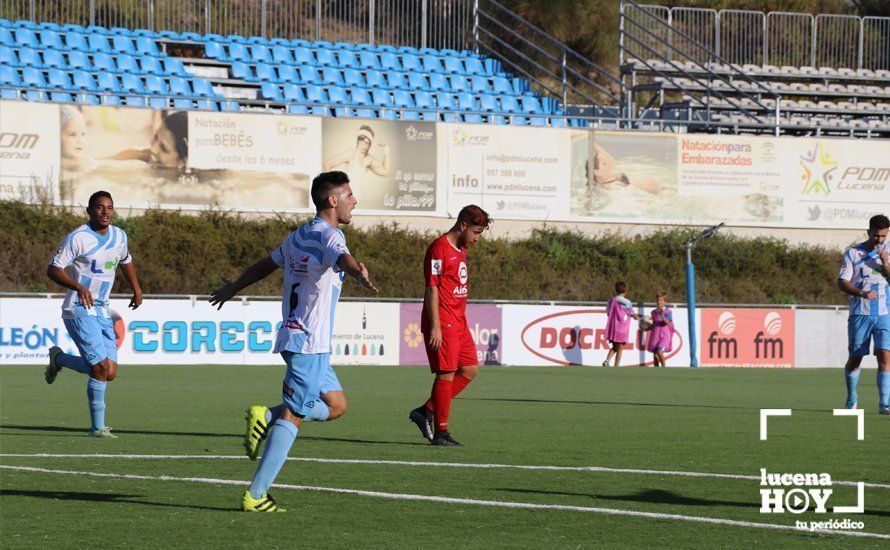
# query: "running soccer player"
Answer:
x=864 y=275
x=449 y=344
x=314 y=258
x=85 y=264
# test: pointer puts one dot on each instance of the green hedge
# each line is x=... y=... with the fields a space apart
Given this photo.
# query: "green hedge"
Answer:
x=181 y=253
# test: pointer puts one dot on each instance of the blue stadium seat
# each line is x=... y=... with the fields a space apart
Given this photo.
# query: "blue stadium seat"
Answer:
x=531 y=105
x=299 y=43
x=152 y=65
x=450 y=117
x=158 y=103
x=155 y=84
x=308 y=75
x=280 y=54
x=298 y=109
x=331 y=76
x=439 y=83
x=114 y=31
x=108 y=82
x=99 y=43
x=550 y=106
x=467 y=102
x=8 y=58
x=6 y=37
x=87 y=99
x=131 y=83
x=429 y=116
x=338 y=96
x=271 y=92
x=46 y=25
x=147 y=46
x=123 y=44
x=501 y=85
x=35 y=95
x=406 y=50
x=145 y=33
x=473 y=66
x=175 y=67
x=287 y=73
x=79 y=60
x=303 y=56
x=352 y=77
x=488 y=102
x=193 y=37
x=180 y=86
x=411 y=62
x=205 y=105
x=217 y=38
x=521 y=86
x=401 y=98
x=134 y=101
x=453 y=65
x=279 y=42
x=325 y=57
x=323 y=44
x=381 y=97
x=432 y=64
x=238 y=52
x=497 y=119
x=409 y=115
x=424 y=100
x=493 y=66
x=458 y=83
x=446 y=52
x=375 y=79
x=388 y=114
x=537 y=121
x=236 y=39
x=127 y=64
x=316 y=94
x=396 y=79
x=203 y=88
x=427 y=51
x=479 y=84
x=509 y=104
x=417 y=81
x=103 y=61
x=264 y=71
x=76 y=41
x=84 y=81
x=9 y=76
x=558 y=122
x=60 y=97
x=26 y=37
x=370 y=60
x=108 y=99
x=347 y=58
x=343 y=46
x=22 y=24
x=59 y=79
x=241 y=70
x=389 y=61
x=52 y=40
x=260 y=53
x=258 y=41
x=29 y=57
x=473 y=118
x=183 y=103
x=365 y=113
x=71 y=27
x=215 y=50
x=293 y=93
x=360 y=96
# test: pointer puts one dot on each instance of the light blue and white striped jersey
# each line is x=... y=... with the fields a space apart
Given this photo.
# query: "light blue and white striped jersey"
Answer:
x=311 y=287
x=862 y=267
x=91 y=259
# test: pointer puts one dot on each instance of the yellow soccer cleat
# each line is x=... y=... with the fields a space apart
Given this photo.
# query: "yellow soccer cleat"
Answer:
x=256 y=431
x=263 y=504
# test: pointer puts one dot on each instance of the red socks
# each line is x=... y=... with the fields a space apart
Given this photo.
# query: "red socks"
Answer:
x=457 y=385
x=441 y=403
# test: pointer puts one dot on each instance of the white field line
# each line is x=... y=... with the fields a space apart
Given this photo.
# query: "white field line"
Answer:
x=600 y=469
x=470 y=501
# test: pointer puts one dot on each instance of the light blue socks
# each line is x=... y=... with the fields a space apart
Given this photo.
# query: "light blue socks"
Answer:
x=852 y=377
x=96 y=398
x=278 y=444
x=884 y=389
x=73 y=362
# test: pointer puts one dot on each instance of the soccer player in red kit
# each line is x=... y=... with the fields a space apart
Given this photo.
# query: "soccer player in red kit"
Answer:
x=449 y=344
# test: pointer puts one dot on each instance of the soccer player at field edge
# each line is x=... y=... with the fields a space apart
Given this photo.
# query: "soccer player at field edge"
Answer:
x=449 y=344
x=865 y=276
x=314 y=258
x=85 y=264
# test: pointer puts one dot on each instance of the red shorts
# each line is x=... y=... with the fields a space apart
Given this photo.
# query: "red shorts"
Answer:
x=457 y=350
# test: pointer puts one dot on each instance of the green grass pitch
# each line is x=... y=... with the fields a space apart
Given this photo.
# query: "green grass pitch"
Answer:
x=668 y=420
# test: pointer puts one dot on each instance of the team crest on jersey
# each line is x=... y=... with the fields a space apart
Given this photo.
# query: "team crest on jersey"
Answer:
x=436 y=267
x=301 y=265
x=462 y=273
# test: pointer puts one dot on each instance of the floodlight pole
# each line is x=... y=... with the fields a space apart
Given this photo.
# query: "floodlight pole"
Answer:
x=690 y=290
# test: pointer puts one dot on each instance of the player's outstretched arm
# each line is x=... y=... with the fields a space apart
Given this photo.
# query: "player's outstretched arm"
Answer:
x=348 y=265
x=61 y=278
x=252 y=274
x=130 y=275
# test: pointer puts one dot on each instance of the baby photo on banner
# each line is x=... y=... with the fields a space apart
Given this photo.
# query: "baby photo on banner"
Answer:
x=391 y=165
x=188 y=158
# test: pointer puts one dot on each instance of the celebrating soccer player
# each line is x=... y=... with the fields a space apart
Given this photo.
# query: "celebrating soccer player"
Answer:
x=449 y=344
x=864 y=275
x=85 y=264
x=314 y=258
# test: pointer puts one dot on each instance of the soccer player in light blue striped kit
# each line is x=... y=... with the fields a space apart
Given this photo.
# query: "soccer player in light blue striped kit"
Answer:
x=865 y=276
x=314 y=259
x=85 y=264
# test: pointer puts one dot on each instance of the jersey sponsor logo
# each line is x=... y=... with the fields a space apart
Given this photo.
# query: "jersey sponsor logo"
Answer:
x=460 y=292
x=462 y=273
x=436 y=267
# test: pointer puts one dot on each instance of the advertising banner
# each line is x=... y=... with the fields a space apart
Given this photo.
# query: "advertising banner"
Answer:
x=512 y=172
x=567 y=335
x=485 y=325
x=185 y=332
x=29 y=150
x=194 y=159
x=747 y=337
x=391 y=165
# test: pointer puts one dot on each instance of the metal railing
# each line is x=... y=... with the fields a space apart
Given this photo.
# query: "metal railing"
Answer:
x=418 y=23
x=774 y=38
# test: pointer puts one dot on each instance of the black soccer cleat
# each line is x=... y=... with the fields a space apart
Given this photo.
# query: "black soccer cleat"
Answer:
x=444 y=439
x=424 y=420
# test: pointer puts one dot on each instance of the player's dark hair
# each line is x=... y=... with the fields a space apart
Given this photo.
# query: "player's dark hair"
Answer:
x=661 y=295
x=178 y=125
x=474 y=215
x=98 y=195
x=620 y=287
x=324 y=185
x=878 y=221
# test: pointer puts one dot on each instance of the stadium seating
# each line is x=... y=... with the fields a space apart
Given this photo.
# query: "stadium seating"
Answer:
x=117 y=66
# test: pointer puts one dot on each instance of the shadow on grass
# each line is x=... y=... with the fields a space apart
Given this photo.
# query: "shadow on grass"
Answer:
x=82 y=431
x=630 y=404
x=113 y=498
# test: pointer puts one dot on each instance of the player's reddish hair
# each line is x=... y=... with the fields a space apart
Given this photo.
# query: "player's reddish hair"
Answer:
x=473 y=215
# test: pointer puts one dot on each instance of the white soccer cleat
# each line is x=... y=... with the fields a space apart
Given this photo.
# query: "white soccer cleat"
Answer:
x=52 y=370
x=104 y=433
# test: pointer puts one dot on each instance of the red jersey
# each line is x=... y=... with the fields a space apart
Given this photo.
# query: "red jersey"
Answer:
x=445 y=267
